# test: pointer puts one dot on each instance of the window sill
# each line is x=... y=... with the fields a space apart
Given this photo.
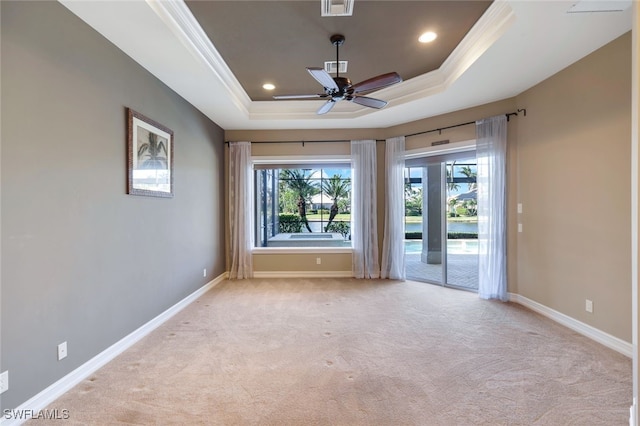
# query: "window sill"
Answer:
x=301 y=250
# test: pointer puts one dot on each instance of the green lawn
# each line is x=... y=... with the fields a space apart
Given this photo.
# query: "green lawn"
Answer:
x=339 y=217
x=408 y=219
x=463 y=219
x=418 y=219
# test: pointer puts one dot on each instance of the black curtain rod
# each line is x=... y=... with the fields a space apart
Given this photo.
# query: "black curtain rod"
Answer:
x=440 y=129
x=302 y=142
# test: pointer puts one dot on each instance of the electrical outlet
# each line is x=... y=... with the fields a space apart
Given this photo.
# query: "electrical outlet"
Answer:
x=62 y=351
x=588 y=306
x=519 y=207
x=204 y=272
x=318 y=261
x=4 y=381
x=519 y=227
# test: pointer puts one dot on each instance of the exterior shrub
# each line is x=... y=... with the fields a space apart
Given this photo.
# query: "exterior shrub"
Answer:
x=450 y=235
x=289 y=223
x=462 y=236
x=340 y=227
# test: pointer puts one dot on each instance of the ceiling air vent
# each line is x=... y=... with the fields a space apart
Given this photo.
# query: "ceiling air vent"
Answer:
x=330 y=67
x=337 y=7
x=590 y=6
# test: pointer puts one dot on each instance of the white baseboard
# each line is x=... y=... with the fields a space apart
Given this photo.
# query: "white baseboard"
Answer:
x=612 y=342
x=302 y=274
x=47 y=396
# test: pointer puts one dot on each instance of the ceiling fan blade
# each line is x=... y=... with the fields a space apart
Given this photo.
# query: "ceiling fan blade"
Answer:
x=315 y=96
x=369 y=102
x=323 y=78
x=377 y=82
x=326 y=107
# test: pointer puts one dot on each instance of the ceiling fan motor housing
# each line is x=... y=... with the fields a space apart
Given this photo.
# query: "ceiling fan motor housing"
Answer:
x=343 y=83
x=340 y=88
x=337 y=39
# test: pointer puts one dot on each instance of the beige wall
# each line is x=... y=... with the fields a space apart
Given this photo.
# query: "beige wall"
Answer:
x=291 y=262
x=269 y=263
x=568 y=164
x=573 y=167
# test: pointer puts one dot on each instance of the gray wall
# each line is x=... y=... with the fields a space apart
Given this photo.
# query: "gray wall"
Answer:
x=82 y=261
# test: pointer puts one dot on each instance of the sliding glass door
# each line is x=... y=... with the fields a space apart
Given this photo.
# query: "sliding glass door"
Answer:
x=462 y=223
x=441 y=223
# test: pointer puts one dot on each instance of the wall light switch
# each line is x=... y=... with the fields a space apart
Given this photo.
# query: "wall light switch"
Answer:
x=62 y=351
x=318 y=261
x=519 y=207
x=588 y=306
x=4 y=381
x=519 y=227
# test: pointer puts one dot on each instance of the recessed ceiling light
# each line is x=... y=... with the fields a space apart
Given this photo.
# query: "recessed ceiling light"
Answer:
x=427 y=37
x=268 y=86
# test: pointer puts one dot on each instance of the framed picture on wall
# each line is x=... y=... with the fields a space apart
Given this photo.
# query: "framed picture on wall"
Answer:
x=150 y=156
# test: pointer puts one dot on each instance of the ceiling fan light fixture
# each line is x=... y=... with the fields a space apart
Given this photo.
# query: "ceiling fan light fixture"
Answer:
x=427 y=37
x=336 y=7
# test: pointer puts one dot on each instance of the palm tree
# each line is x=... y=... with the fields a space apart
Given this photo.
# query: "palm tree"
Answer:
x=451 y=185
x=453 y=203
x=413 y=202
x=156 y=153
x=472 y=207
x=336 y=188
x=466 y=170
x=300 y=182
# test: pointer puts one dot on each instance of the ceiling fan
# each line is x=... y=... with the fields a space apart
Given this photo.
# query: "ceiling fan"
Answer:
x=340 y=88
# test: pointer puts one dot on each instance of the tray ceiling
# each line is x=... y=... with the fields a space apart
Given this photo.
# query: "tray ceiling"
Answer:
x=217 y=54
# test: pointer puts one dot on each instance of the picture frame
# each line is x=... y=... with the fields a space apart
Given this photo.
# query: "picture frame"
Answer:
x=149 y=157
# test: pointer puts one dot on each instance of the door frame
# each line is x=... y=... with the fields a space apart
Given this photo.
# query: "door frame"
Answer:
x=433 y=151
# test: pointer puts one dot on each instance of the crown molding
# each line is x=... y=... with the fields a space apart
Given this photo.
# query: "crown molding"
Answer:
x=490 y=27
x=179 y=19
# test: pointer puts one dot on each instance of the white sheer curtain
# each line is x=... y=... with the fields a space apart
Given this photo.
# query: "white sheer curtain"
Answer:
x=491 y=152
x=240 y=208
x=364 y=220
x=393 y=242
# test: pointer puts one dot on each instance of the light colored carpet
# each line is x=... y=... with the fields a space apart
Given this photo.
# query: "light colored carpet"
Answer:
x=355 y=352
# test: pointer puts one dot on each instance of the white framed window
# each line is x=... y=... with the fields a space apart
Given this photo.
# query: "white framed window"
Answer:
x=302 y=203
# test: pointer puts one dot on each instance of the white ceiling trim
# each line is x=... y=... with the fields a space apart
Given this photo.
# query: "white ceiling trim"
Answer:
x=179 y=19
x=137 y=30
x=493 y=62
x=492 y=25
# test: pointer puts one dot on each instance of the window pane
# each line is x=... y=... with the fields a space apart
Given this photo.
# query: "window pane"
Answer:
x=303 y=207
